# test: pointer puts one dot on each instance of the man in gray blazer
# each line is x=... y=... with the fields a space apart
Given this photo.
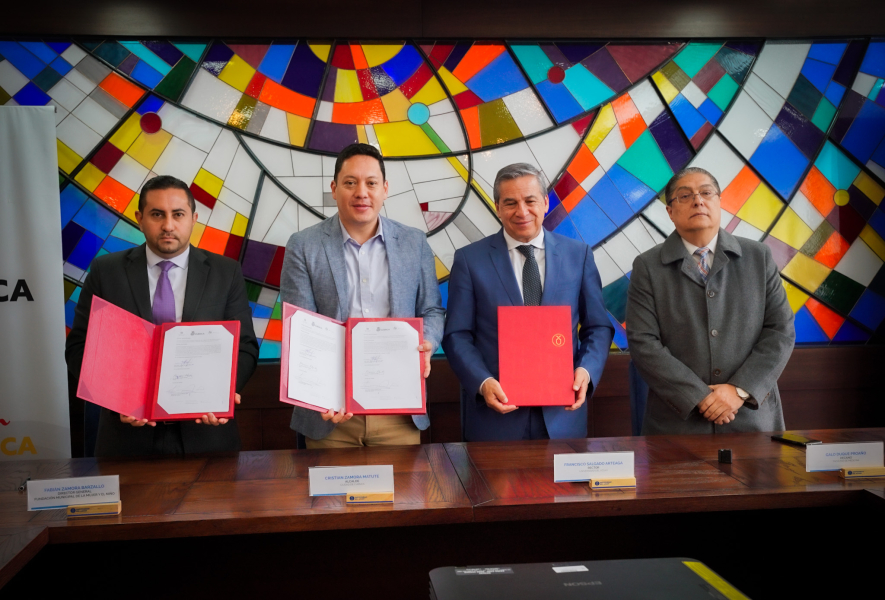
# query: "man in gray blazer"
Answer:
x=360 y=264
x=708 y=322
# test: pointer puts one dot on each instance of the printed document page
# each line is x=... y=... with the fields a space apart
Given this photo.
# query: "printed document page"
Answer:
x=195 y=370
x=386 y=368
x=316 y=361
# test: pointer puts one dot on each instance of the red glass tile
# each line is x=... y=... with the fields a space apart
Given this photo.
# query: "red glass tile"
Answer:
x=565 y=185
x=367 y=84
x=276 y=268
x=424 y=207
x=638 y=60
x=832 y=251
x=342 y=58
x=251 y=53
x=582 y=125
x=556 y=74
x=254 y=87
x=698 y=138
x=107 y=157
x=440 y=53
x=151 y=122
x=828 y=320
x=234 y=245
x=709 y=76
x=417 y=81
x=846 y=221
x=467 y=99
x=202 y=196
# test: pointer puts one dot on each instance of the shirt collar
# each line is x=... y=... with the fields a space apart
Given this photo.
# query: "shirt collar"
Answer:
x=379 y=233
x=712 y=245
x=179 y=261
x=512 y=244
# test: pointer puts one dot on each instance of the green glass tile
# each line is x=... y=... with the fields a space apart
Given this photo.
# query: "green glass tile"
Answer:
x=824 y=114
x=91 y=46
x=817 y=240
x=277 y=311
x=533 y=60
x=877 y=88
x=694 y=56
x=737 y=64
x=840 y=292
x=437 y=141
x=677 y=76
x=47 y=78
x=112 y=52
x=645 y=161
x=173 y=84
x=496 y=124
x=253 y=290
x=243 y=112
x=723 y=92
x=615 y=297
x=805 y=97
x=4 y=97
x=69 y=289
x=194 y=51
x=61 y=178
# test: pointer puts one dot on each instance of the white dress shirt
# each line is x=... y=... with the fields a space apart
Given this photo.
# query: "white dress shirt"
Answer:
x=368 y=275
x=712 y=246
x=177 y=277
x=517 y=258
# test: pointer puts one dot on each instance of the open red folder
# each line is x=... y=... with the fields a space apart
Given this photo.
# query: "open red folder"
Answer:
x=535 y=359
x=341 y=366
x=168 y=372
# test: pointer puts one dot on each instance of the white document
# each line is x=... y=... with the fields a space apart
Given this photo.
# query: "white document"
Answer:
x=386 y=366
x=195 y=370
x=338 y=481
x=61 y=493
x=832 y=457
x=590 y=465
x=316 y=361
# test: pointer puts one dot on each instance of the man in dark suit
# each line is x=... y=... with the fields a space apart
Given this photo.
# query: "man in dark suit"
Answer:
x=166 y=280
x=522 y=265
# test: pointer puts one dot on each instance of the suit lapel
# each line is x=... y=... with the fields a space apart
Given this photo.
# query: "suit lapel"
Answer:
x=726 y=244
x=197 y=273
x=136 y=273
x=501 y=259
x=333 y=244
x=551 y=266
x=674 y=250
x=395 y=265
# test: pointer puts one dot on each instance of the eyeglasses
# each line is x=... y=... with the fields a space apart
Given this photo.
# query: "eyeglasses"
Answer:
x=685 y=197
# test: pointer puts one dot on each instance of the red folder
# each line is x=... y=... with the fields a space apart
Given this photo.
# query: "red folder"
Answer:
x=121 y=363
x=535 y=362
x=350 y=405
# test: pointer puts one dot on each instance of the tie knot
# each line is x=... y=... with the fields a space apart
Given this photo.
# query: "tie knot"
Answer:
x=527 y=250
x=702 y=252
x=166 y=265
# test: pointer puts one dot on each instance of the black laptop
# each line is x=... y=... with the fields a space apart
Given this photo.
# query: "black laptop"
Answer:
x=658 y=578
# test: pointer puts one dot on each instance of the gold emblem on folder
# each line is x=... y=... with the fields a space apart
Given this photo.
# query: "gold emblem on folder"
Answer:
x=558 y=340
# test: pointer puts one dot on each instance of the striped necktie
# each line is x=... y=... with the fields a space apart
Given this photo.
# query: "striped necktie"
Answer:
x=703 y=267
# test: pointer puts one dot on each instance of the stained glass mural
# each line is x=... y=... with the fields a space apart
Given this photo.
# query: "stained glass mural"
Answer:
x=793 y=130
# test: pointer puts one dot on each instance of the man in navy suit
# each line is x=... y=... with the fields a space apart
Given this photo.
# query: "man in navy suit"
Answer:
x=522 y=265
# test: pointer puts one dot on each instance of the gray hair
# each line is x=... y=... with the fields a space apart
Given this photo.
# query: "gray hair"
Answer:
x=515 y=171
x=671 y=185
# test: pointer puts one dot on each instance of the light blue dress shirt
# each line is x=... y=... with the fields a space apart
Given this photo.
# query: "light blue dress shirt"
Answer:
x=368 y=275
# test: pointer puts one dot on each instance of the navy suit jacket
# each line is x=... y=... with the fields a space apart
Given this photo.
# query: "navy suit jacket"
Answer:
x=482 y=279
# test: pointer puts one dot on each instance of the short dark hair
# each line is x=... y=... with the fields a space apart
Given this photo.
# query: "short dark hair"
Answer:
x=166 y=182
x=359 y=150
x=515 y=171
x=671 y=185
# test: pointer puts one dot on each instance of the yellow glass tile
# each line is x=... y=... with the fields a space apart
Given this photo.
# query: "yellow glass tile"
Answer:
x=873 y=240
x=604 y=123
x=841 y=197
x=239 y=226
x=868 y=186
x=795 y=296
x=453 y=83
x=431 y=92
x=361 y=134
x=396 y=105
x=403 y=139
x=791 y=230
x=209 y=182
x=806 y=271
x=237 y=73
x=67 y=158
x=197 y=233
x=127 y=133
x=321 y=50
x=761 y=208
x=298 y=127
x=458 y=167
x=668 y=90
x=347 y=87
x=89 y=177
x=377 y=54
x=147 y=148
x=133 y=206
x=441 y=270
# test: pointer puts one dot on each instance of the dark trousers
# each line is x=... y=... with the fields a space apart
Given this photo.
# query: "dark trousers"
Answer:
x=535 y=429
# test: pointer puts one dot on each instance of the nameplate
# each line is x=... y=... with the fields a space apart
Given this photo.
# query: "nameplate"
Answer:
x=834 y=457
x=44 y=494
x=338 y=481
x=591 y=465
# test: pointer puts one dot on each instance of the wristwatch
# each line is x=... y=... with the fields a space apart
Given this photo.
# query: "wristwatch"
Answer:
x=742 y=394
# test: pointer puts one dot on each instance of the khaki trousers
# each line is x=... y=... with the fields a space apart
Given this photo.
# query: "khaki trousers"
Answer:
x=370 y=430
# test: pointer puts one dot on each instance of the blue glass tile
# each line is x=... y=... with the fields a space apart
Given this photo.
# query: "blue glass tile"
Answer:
x=710 y=111
x=70 y=307
x=849 y=332
x=818 y=73
x=636 y=193
x=305 y=72
x=567 y=228
x=216 y=58
x=807 y=329
x=96 y=219
x=560 y=102
x=147 y=56
x=31 y=95
x=125 y=231
x=779 y=161
x=533 y=60
x=555 y=217
x=444 y=292
x=828 y=52
x=869 y=310
x=75 y=295
x=72 y=198
x=275 y=61
x=62 y=66
x=41 y=51
x=879 y=155
x=456 y=55
x=59 y=47
x=836 y=167
x=86 y=249
x=609 y=199
x=877 y=222
x=114 y=244
x=620 y=338
x=270 y=350
x=866 y=132
x=499 y=78
x=587 y=89
x=403 y=65
x=146 y=75
x=687 y=115
x=47 y=79
x=874 y=62
x=70 y=235
x=834 y=93
x=151 y=104
x=592 y=223
x=166 y=51
x=262 y=312
x=554 y=201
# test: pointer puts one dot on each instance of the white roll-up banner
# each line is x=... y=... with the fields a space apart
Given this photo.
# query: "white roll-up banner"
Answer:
x=34 y=421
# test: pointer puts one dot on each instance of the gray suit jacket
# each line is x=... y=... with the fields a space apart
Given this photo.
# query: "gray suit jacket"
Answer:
x=685 y=335
x=314 y=277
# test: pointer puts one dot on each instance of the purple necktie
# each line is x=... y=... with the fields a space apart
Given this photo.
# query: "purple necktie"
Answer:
x=164 y=299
